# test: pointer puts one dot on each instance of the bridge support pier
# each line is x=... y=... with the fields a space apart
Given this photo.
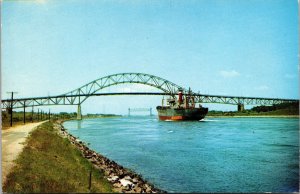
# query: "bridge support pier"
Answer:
x=241 y=107
x=24 y=114
x=79 y=116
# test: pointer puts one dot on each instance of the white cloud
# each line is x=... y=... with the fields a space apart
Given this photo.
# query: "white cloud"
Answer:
x=262 y=88
x=229 y=74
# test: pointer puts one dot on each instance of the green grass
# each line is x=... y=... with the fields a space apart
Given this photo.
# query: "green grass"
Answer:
x=50 y=163
x=18 y=118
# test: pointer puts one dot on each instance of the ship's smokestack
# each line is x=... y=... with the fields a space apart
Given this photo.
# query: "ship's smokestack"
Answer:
x=180 y=100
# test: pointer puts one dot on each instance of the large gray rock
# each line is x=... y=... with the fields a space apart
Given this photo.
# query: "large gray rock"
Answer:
x=125 y=183
x=113 y=179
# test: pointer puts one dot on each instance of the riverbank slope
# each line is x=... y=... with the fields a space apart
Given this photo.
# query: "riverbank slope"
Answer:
x=50 y=163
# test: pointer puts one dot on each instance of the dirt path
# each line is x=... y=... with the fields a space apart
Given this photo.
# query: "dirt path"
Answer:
x=12 y=144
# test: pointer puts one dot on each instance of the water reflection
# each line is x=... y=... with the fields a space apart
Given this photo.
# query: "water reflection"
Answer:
x=79 y=124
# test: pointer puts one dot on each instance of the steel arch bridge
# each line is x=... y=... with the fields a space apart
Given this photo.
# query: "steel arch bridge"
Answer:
x=125 y=78
x=79 y=95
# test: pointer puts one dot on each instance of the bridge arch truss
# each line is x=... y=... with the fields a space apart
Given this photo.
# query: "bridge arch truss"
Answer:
x=124 y=78
x=79 y=95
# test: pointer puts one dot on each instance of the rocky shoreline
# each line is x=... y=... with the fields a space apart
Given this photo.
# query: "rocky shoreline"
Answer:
x=123 y=180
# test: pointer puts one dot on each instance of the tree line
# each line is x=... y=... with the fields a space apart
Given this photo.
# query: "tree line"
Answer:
x=290 y=106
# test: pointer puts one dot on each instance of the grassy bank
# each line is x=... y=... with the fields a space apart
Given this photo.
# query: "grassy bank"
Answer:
x=18 y=118
x=50 y=163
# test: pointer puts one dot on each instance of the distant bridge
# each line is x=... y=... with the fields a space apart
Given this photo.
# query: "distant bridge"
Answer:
x=140 y=110
x=79 y=95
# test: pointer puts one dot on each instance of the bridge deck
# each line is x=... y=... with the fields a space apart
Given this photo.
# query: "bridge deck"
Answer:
x=74 y=99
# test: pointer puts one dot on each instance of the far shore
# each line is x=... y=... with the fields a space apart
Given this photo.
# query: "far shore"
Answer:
x=254 y=116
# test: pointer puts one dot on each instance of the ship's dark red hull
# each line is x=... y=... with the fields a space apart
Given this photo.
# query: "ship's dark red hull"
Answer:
x=181 y=114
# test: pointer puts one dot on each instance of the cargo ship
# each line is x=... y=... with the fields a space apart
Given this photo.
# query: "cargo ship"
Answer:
x=182 y=109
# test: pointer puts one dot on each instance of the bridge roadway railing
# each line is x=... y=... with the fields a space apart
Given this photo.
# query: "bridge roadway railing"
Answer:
x=199 y=98
x=236 y=100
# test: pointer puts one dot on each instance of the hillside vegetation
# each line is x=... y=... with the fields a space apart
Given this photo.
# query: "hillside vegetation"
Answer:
x=277 y=109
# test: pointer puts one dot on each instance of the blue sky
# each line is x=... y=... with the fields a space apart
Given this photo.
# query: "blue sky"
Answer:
x=223 y=47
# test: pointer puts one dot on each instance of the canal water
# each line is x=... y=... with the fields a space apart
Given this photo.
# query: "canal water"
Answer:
x=214 y=155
